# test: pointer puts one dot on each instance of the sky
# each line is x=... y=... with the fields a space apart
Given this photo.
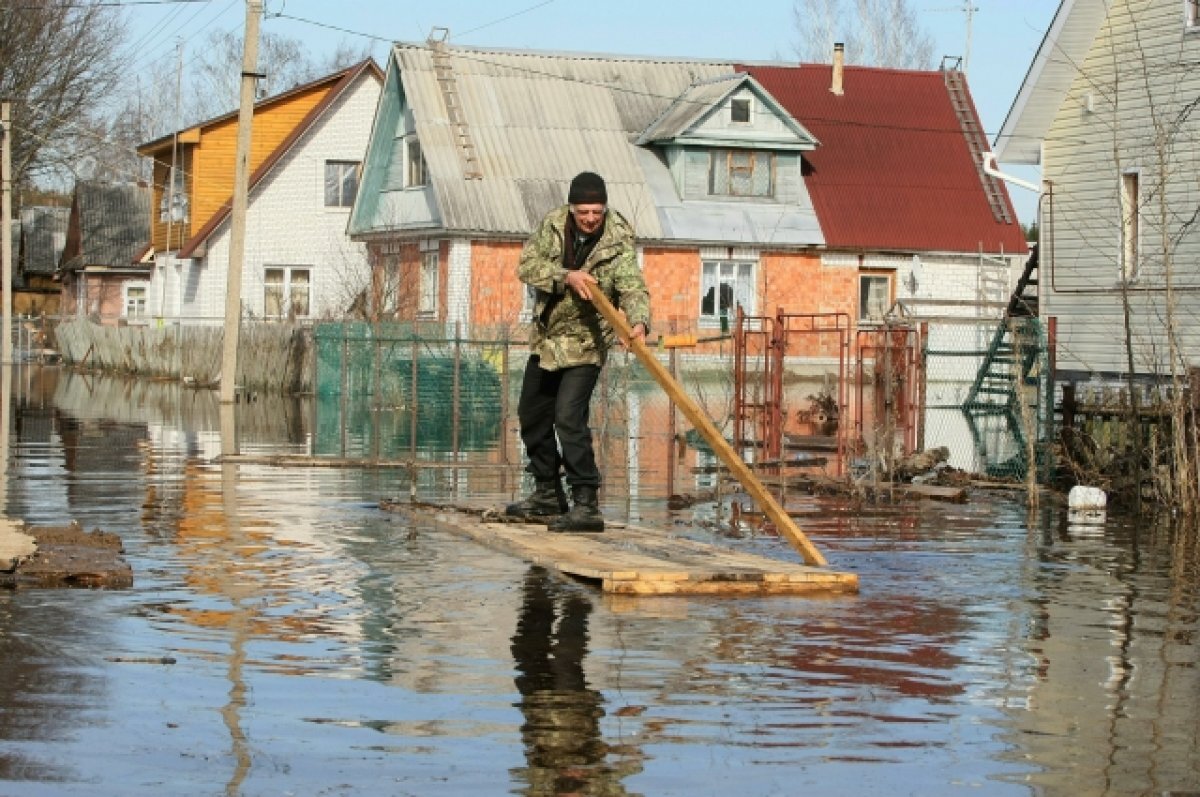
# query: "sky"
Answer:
x=997 y=45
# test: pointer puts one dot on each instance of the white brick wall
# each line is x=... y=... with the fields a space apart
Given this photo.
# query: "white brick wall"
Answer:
x=287 y=224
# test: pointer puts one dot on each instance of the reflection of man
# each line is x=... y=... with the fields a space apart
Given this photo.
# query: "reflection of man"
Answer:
x=564 y=749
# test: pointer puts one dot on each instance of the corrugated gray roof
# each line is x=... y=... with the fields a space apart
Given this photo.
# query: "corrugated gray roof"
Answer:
x=45 y=233
x=114 y=222
x=536 y=120
x=687 y=109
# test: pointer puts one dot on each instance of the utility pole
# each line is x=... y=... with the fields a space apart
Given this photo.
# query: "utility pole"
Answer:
x=241 y=179
x=6 y=349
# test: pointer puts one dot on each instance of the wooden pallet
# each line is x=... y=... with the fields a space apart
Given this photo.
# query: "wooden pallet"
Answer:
x=633 y=560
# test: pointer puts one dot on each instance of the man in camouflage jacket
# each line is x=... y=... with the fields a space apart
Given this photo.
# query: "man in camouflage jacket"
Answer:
x=577 y=248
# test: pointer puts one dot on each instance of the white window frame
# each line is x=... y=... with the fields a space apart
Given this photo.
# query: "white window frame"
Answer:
x=142 y=311
x=338 y=193
x=428 y=290
x=173 y=204
x=746 y=102
x=871 y=306
x=416 y=171
x=289 y=289
x=1191 y=15
x=729 y=167
x=738 y=277
x=1131 y=224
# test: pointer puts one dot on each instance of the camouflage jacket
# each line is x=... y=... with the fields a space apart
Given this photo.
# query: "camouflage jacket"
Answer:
x=567 y=330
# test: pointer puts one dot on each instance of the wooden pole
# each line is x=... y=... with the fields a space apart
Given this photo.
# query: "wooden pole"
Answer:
x=709 y=431
x=6 y=252
x=241 y=180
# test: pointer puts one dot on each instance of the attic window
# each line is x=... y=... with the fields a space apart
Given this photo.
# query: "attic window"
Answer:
x=739 y=110
x=415 y=171
x=173 y=204
x=741 y=172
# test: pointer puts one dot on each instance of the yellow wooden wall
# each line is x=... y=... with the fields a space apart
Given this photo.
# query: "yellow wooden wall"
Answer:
x=209 y=163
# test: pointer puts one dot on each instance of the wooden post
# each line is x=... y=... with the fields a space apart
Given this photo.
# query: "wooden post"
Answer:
x=241 y=181
x=6 y=252
x=705 y=426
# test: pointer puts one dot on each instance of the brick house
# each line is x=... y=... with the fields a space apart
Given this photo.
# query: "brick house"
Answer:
x=305 y=154
x=100 y=271
x=827 y=188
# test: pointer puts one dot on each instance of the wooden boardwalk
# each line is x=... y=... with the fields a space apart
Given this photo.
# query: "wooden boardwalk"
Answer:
x=633 y=560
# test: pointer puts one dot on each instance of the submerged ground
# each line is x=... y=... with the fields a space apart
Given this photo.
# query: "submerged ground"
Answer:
x=283 y=635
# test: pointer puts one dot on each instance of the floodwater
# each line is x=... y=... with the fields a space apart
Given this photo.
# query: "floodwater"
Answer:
x=285 y=636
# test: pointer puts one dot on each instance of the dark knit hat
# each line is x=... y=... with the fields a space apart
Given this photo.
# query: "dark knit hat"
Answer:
x=588 y=189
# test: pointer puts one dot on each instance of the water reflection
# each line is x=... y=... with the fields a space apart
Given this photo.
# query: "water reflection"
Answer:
x=326 y=647
x=565 y=750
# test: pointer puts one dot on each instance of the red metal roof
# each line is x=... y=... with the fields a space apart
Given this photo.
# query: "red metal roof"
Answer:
x=894 y=170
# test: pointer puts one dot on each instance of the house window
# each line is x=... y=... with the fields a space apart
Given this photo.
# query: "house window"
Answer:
x=341 y=183
x=741 y=172
x=427 y=305
x=287 y=292
x=725 y=285
x=874 y=297
x=1191 y=14
x=173 y=205
x=739 y=111
x=528 y=302
x=135 y=297
x=1130 y=225
x=415 y=171
x=389 y=287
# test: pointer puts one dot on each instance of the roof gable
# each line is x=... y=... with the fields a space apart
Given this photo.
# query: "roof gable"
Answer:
x=532 y=121
x=894 y=171
x=1055 y=66
x=701 y=115
x=109 y=224
x=342 y=83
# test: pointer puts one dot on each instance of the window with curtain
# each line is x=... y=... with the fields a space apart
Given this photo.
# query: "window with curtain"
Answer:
x=741 y=172
x=173 y=204
x=724 y=285
x=427 y=305
x=341 y=183
x=874 y=296
x=287 y=292
x=136 y=294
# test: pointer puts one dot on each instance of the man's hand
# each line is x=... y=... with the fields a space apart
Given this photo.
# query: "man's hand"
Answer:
x=581 y=282
x=638 y=333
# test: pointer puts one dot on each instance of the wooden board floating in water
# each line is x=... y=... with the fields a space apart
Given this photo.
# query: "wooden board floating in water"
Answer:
x=633 y=560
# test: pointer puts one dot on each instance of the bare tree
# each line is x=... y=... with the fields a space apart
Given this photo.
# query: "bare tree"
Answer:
x=58 y=65
x=875 y=32
x=215 y=79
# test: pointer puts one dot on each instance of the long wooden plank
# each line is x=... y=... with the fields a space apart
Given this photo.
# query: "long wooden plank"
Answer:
x=633 y=560
x=709 y=431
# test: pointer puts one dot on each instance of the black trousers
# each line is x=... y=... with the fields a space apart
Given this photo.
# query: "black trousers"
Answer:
x=553 y=411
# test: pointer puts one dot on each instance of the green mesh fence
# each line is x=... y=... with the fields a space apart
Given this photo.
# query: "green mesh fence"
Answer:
x=390 y=390
x=986 y=396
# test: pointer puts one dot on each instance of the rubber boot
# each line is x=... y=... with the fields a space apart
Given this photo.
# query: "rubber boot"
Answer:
x=546 y=500
x=584 y=515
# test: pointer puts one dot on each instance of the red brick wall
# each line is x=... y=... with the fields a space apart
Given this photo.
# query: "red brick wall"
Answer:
x=496 y=293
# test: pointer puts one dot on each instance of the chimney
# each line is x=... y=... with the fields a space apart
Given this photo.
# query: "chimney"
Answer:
x=839 y=63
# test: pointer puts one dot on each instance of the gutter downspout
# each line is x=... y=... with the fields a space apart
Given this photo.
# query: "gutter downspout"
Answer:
x=989 y=168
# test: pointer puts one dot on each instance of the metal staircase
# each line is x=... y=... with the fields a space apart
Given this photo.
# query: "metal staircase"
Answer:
x=1011 y=367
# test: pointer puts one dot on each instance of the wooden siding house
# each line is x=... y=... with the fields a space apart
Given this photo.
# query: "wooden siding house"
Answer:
x=1108 y=110
x=814 y=188
x=100 y=270
x=306 y=149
